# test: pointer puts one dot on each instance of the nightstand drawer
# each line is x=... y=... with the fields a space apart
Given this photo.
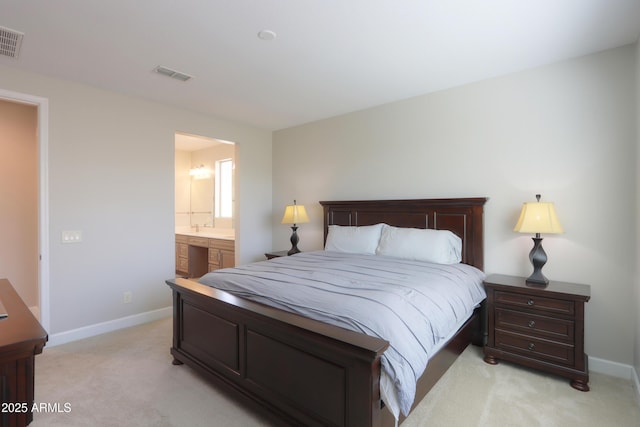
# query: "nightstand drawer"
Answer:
x=536 y=348
x=532 y=302
x=535 y=325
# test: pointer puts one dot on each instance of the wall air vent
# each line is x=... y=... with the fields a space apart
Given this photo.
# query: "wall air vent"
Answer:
x=10 y=42
x=165 y=71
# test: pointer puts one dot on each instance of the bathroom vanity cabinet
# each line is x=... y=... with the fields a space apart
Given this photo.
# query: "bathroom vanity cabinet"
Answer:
x=197 y=255
x=222 y=254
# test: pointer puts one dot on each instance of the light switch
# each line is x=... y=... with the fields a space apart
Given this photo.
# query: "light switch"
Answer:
x=71 y=236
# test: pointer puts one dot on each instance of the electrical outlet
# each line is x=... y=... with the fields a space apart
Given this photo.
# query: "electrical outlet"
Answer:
x=127 y=297
x=72 y=236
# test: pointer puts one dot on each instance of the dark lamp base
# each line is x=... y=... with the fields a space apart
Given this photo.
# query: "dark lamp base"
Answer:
x=538 y=258
x=293 y=251
x=294 y=241
x=535 y=282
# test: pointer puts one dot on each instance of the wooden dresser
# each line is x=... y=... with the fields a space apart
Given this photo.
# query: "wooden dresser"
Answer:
x=538 y=327
x=21 y=338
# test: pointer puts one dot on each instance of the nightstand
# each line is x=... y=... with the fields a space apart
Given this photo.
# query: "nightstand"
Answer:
x=276 y=254
x=538 y=327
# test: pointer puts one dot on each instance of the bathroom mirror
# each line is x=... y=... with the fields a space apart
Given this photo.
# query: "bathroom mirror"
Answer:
x=201 y=201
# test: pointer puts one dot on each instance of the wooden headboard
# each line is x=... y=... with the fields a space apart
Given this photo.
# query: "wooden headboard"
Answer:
x=462 y=216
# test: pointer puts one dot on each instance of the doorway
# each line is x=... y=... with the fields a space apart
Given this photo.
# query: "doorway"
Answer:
x=32 y=286
x=205 y=188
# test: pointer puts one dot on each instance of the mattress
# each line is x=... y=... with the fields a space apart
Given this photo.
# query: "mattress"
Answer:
x=414 y=305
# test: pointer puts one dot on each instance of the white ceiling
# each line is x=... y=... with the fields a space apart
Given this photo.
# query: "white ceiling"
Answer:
x=330 y=57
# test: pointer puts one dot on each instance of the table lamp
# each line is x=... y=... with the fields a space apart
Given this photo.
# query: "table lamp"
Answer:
x=538 y=217
x=294 y=214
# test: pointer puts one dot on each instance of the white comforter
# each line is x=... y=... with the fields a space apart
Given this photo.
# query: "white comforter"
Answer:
x=411 y=304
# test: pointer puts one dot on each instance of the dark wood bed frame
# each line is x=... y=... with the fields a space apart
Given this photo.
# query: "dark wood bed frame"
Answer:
x=305 y=372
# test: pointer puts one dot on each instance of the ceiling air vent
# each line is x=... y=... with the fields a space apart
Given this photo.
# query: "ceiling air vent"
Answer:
x=165 y=71
x=10 y=42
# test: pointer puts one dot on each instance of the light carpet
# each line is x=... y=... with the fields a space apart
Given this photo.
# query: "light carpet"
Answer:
x=125 y=378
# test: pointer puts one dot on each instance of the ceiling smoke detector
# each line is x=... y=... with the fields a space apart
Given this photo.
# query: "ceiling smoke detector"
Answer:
x=10 y=42
x=166 y=71
x=267 y=35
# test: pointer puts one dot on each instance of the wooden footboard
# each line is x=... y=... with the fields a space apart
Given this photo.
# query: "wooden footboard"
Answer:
x=305 y=372
x=301 y=371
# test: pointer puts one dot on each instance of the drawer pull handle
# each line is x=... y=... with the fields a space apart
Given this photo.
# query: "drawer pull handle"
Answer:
x=532 y=323
x=531 y=346
x=530 y=302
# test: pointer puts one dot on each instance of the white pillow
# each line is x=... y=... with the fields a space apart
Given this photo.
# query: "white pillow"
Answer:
x=438 y=246
x=355 y=240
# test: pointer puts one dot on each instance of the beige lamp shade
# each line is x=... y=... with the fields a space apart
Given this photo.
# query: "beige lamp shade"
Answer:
x=295 y=214
x=538 y=217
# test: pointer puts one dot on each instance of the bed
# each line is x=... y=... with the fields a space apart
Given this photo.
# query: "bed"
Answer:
x=302 y=371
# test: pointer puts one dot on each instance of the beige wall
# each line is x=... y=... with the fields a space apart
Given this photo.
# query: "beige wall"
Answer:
x=19 y=198
x=111 y=175
x=566 y=130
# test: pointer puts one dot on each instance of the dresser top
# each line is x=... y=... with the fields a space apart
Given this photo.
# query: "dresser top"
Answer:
x=519 y=284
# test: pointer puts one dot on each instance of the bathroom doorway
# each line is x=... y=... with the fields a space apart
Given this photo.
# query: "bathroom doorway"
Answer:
x=205 y=188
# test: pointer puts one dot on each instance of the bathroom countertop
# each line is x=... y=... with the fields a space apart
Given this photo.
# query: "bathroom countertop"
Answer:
x=210 y=233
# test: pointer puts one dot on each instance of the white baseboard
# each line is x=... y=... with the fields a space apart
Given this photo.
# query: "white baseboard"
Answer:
x=608 y=367
x=618 y=370
x=110 y=326
x=636 y=385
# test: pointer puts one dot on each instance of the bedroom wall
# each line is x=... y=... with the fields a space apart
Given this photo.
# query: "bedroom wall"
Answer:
x=566 y=130
x=111 y=175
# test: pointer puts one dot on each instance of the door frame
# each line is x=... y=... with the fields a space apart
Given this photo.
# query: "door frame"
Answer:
x=42 y=105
